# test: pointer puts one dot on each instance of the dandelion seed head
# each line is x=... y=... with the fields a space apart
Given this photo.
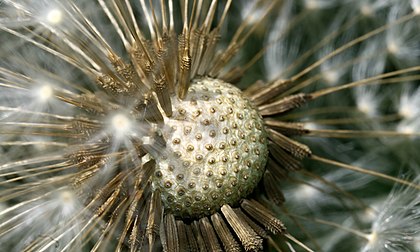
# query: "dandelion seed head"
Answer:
x=216 y=147
x=139 y=142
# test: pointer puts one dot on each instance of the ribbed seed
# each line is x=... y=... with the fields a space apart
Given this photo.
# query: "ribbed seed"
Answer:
x=267 y=92
x=284 y=105
x=224 y=234
x=256 y=227
x=162 y=92
x=148 y=107
x=295 y=148
x=285 y=159
x=278 y=171
x=171 y=233
x=199 y=238
x=154 y=219
x=287 y=128
x=211 y=239
x=192 y=241
x=182 y=236
x=272 y=188
x=263 y=215
x=249 y=239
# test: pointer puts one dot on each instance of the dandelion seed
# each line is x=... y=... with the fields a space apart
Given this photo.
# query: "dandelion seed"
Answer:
x=367 y=101
x=409 y=104
x=415 y=5
x=54 y=16
x=123 y=126
x=408 y=126
x=396 y=223
x=402 y=42
x=44 y=93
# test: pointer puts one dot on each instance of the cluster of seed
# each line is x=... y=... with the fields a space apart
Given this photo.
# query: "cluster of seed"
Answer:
x=216 y=150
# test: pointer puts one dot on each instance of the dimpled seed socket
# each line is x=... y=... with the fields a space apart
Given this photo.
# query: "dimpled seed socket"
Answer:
x=216 y=150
